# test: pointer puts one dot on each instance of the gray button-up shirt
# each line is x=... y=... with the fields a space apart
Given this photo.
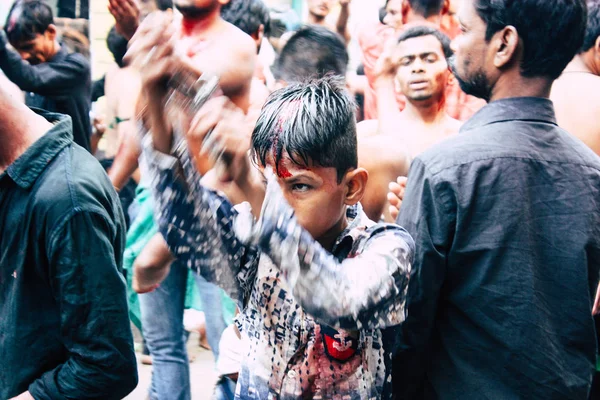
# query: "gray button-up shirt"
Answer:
x=506 y=220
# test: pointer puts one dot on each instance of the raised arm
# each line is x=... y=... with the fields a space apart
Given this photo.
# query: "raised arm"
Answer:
x=367 y=291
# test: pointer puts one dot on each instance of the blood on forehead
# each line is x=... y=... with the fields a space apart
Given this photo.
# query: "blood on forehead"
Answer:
x=288 y=109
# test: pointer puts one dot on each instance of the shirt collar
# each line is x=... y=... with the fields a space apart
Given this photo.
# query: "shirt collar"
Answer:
x=357 y=219
x=60 y=55
x=28 y=167
x=513 y=109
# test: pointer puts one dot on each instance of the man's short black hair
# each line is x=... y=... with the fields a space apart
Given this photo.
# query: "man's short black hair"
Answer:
x=164 y=5
x=26 y=19
x=420 y=31
x=552 y=31
x=311 y=52
x=312 y=122
x=427 y=8
x=592 y=30
x=247 y=15
x=117 y=45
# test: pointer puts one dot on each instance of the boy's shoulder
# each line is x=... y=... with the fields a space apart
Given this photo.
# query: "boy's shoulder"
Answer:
x=366 y=233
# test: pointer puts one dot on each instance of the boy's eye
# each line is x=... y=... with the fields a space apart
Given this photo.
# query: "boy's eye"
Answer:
x=300 y=187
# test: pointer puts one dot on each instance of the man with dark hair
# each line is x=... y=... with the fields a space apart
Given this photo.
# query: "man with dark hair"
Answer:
x=251 y=16
x=64 y=326
x=425 y=8
x=310 y=52
x=318 y=10
x=314 y=288
x=419 y=63
x=60 y=81
x=506 y=221
x=576 y=94
x=414 y=13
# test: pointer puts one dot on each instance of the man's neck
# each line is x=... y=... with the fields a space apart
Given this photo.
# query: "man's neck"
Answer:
x=428 y=112
x=329 y=239
x=194 y=25
x=578 y=64
x=412 y=18
x=18 y=131
x=511 y=85
x=315 y=19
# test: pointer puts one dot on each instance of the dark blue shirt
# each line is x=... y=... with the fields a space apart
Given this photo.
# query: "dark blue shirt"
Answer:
x=62 y=85
x=64 y=328
x=506 y=220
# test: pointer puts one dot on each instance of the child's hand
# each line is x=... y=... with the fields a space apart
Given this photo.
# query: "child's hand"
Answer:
x=396 y=195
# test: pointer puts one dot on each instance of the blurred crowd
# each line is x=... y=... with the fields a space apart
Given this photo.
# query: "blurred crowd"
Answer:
x=403 y=208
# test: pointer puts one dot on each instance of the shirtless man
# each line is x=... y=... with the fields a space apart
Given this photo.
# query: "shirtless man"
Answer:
x=199 y=40
x=318 y=10
x=576 y=94
x=419 y=63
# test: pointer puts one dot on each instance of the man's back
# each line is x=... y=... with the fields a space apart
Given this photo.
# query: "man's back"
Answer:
x=576 y=97
x=512 y=252
x=62 y=240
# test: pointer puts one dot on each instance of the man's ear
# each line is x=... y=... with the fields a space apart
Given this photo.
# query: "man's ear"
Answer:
x=597 y=48
x=505 y=43
x=258 y=36
x=405 y=11
x=356 y=183
x=51 y=32
x=446 y=7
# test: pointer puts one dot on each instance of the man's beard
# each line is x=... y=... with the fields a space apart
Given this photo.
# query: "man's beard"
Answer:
x=476 y=84
x=193 y=12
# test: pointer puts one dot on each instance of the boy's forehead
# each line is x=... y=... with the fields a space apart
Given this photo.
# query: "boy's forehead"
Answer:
x=288 y=168
x=419 y=45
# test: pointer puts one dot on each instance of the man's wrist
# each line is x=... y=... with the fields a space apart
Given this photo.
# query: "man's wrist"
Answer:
x=384 y=81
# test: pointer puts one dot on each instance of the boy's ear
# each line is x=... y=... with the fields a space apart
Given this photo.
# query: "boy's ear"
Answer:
x=356 y=183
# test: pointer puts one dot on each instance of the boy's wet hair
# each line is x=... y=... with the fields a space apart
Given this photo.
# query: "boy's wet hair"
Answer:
x=26 y=19
x=311 y=122
x=247 y=15
x=311 y=52
x=420 y=31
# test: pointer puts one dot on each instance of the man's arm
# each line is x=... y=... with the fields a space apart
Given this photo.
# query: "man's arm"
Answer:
x=90 y=293
x=197 y=223
x=368 y=291
x=342 y=23
x=428 y=213
x=46 y=79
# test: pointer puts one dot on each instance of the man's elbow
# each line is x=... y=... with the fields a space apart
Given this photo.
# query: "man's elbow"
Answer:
x=125 y=381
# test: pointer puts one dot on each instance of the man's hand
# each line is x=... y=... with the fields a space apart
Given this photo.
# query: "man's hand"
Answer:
x=127 y=16
x=396 y=195
x=24 y=396
x=596 y=309
x=219 y=133
x=387 y=64
x=152 y=53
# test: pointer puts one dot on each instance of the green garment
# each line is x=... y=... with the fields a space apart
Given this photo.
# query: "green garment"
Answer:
x=141 y=231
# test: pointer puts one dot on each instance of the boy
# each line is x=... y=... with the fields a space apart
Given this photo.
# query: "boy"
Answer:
x=316 y=281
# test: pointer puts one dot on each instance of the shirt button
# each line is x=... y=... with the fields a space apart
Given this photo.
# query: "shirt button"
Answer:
x=292 y=374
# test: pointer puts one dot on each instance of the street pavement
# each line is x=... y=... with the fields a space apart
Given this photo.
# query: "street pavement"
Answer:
x=202 y=373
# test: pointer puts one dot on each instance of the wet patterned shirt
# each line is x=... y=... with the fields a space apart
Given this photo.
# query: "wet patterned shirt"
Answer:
x=311 y=319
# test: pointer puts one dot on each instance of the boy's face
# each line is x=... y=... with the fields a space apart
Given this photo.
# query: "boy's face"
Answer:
x=38 y=50
x=315 y=195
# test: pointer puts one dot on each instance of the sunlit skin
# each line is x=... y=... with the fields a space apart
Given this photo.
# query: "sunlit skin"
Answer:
x=318 y=199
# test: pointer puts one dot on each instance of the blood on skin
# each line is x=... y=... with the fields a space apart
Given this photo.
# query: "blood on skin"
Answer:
x=280 y=169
